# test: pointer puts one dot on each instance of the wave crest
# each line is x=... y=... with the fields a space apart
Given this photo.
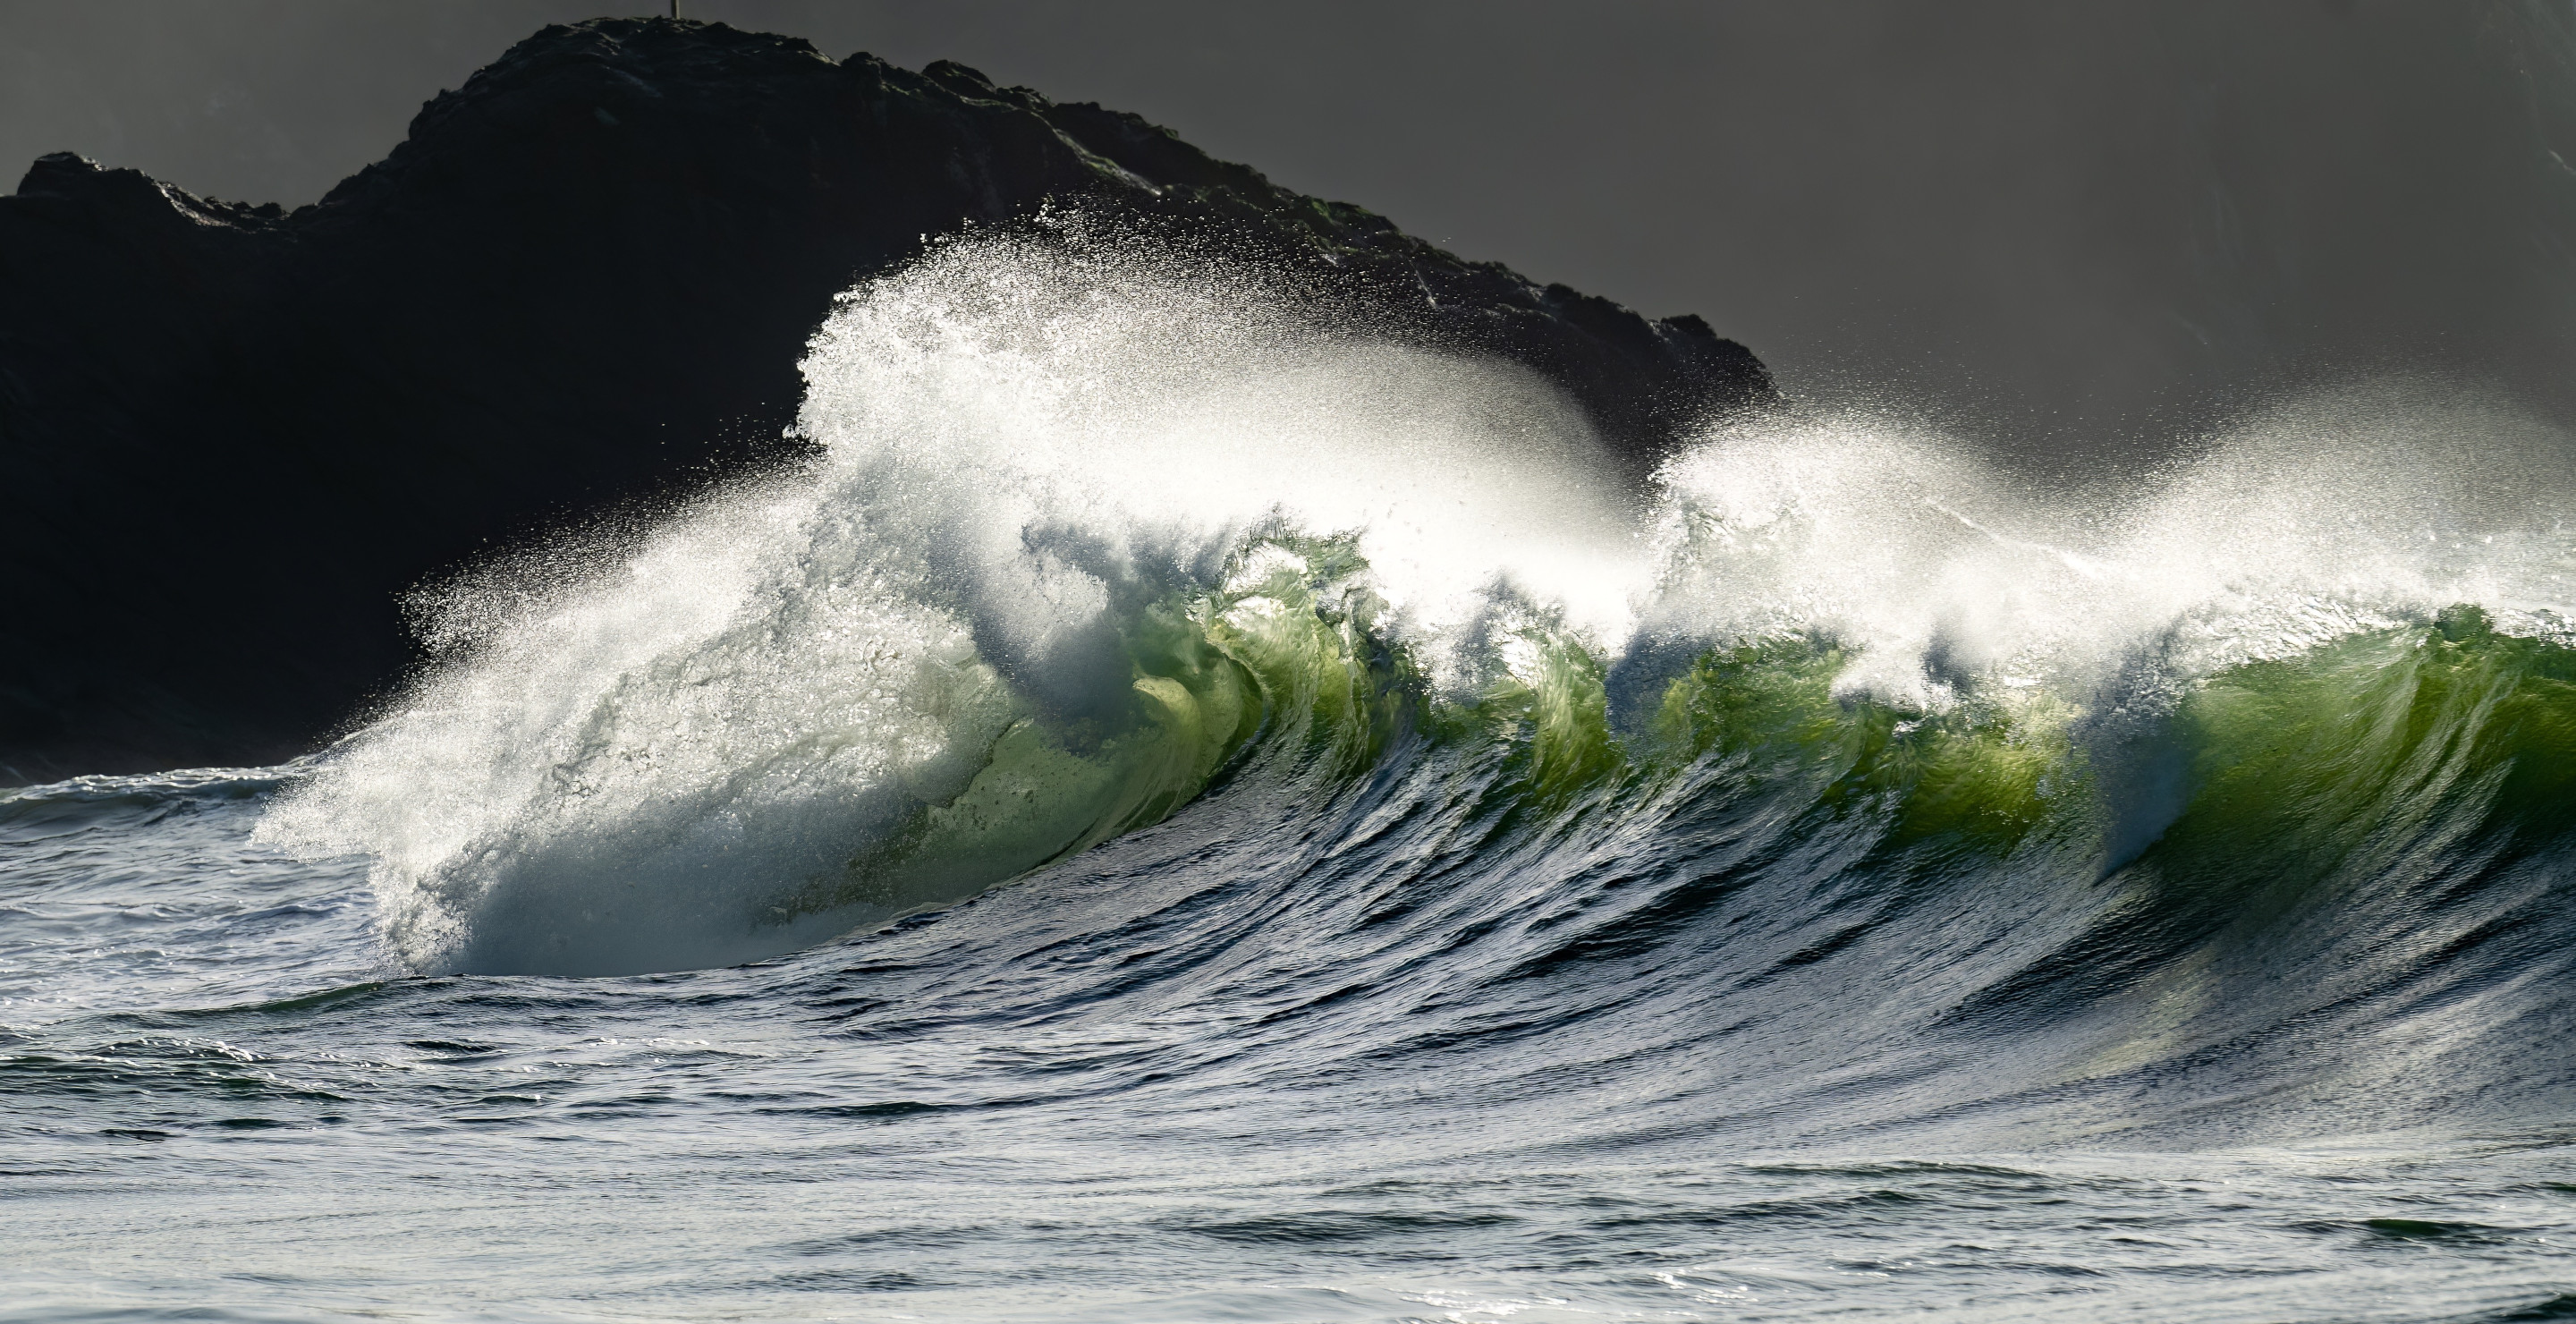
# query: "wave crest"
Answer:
x=1088 y=534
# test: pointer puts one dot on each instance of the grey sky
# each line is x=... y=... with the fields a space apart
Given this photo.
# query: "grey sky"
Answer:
x=2046 y=221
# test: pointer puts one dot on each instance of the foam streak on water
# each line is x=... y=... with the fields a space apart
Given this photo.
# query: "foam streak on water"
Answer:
x=1181 y=812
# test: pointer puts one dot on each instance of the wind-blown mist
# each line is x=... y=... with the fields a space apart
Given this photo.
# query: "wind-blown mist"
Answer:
x=1028 y=449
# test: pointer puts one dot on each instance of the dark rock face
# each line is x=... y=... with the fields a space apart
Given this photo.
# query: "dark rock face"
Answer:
x=231 y=436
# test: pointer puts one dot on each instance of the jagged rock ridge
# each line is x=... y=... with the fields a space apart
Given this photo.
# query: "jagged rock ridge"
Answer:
x=234 y=435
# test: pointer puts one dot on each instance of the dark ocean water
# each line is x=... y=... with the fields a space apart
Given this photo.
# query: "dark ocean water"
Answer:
x=1179 y=816
x=1194 y=1075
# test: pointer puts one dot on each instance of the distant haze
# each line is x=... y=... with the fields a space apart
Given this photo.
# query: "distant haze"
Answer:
x=2063 y=227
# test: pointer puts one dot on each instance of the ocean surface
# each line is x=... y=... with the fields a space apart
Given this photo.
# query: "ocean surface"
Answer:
x=1182 y=814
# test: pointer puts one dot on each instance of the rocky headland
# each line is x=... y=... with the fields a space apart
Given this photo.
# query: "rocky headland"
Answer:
x=232 y=436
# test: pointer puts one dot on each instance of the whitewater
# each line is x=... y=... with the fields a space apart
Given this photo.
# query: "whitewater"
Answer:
x=1184 y=807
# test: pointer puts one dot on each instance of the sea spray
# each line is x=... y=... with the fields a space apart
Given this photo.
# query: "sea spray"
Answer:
x=1038 y=455
x=1090 y=532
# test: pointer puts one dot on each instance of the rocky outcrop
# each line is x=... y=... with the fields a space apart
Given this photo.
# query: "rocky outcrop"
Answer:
x=231 y=436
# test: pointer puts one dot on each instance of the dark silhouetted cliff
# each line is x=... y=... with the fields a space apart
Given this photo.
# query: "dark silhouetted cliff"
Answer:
x=231 y=436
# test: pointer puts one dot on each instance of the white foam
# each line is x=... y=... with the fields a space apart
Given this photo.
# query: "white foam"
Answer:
x=2324 y=514
x=641 y=759
x=659 y=756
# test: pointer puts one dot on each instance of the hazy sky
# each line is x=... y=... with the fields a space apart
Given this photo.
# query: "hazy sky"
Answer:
x=2047 y=220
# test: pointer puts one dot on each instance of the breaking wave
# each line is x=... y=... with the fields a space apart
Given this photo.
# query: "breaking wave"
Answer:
x=1089 y=542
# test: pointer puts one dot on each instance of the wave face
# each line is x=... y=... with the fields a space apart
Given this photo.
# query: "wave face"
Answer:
x=2276 y=736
